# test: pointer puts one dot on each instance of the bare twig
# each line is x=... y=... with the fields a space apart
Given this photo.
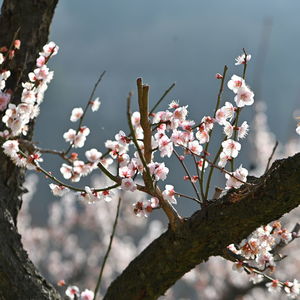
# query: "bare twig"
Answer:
x=162 y=97
x=86 y=108
x=271 y=156
x=187 y=173
x=108 y=250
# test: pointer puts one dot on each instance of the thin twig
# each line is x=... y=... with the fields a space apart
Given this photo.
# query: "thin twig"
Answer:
x=60 y=183
x=188 y=197
x=187 y=173
x=86 y=108
x=210 y=134
x=162 y=97
x=271 y=157
x=108 y=250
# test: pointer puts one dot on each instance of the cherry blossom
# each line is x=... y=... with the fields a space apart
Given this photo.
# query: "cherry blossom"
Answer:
x=169 y=194
x=3 y=77
x=72 y=292
x=49 y=49
x=95 y=104
x=273 y=286
x=239 y=174
x=231 y=148
x=244 y=97
x=159 y=170
x=241 y=59
x=66 y=171
x=180 y=113
x=203 y=136
x=40 y=61
x=165 y=146
x=87 y=295
x=195 y=147
x=77 y=113
x=93 y=155
x=136 y=118
x=128 y=185
x=58 y=190
x=174 y=104
x=235 y=83
x=4 y=100
x=201 y=162
x=292 y=289
x=11 y=147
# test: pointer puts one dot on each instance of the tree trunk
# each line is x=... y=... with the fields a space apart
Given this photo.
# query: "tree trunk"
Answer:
x=18 y=276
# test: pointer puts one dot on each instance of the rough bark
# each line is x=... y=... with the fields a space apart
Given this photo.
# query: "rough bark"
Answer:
x=18 y=276
x=208 y=232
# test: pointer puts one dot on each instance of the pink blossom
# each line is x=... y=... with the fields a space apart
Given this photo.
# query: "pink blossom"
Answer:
x=208 y=123
x=4 y=100
x=243 y=130
x=241 y=59
x=240 y=176
x=195 y=147
x=180 y=113
x=89 y=195
x=223 y=159
x=202 y=136
x=165 y=146
x=135 y=119
x=87 y=295
x=66 y=171
x=235 y=83
x=70 y=135
x=122 y=138
x=107 y=195
x=95 y=104
x=228 y=129
x=93 y=155
x=159 y=170
x=174 y=104
x=72 y=291
x=77 y=113
x=50 y=49
x=292 y=289
x=169 y=194
x=11 y=147
x=273 y=286
x=58 y=190
x=40 y=61
x=244 y=97
x=128 y=185
x=224 y=113
x=201 y=162
x=231 y=148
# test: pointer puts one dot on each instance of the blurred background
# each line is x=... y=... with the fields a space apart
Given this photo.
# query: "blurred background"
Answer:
x=166 y=41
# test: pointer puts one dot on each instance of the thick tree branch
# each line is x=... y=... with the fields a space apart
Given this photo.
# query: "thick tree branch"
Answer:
x=208 y=232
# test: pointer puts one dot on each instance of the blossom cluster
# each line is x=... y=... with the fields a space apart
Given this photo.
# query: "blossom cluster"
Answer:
x=73 y=292
x=171 y=131
x=259 y=253
x=17 y=117
x=6 y=55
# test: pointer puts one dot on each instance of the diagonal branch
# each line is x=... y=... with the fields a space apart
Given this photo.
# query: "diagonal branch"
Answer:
x=207 y=233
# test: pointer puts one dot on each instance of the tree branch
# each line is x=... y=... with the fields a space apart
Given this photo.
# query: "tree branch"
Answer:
x=207 y=233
